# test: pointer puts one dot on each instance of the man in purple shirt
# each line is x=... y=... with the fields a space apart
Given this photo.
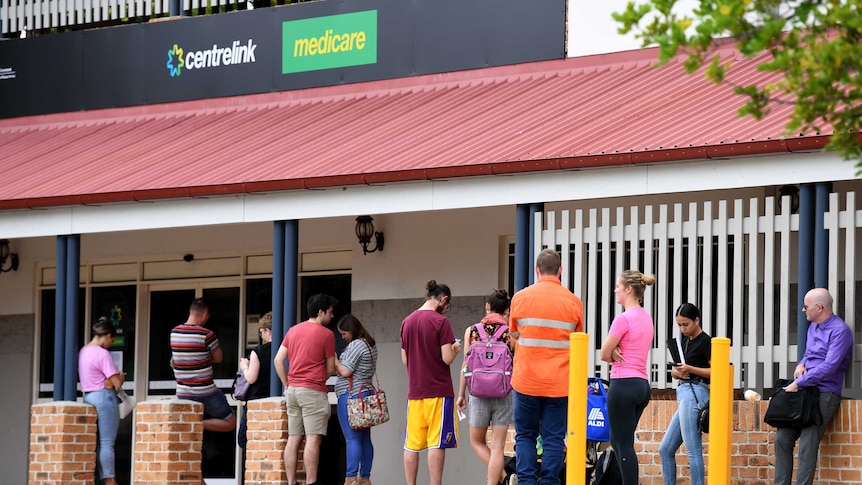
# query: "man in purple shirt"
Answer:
x=828 y=350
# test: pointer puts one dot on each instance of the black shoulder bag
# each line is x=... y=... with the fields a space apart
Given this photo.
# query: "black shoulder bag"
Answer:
x=793 y=409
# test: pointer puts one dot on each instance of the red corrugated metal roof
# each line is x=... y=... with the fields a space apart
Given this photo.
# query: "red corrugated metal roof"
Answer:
x=576 y=113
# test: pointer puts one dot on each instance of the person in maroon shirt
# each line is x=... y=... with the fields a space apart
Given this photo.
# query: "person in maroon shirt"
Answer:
x=428 y=347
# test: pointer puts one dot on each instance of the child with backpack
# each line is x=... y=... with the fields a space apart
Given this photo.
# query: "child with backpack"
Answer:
x=486 y=374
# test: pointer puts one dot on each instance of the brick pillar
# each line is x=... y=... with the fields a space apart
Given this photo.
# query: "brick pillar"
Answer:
x=267 y=437
x=62 y=443
x=168 y=438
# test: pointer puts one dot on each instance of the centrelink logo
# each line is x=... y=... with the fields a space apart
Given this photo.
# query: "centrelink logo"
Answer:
x=236 y=53
x=596 y=418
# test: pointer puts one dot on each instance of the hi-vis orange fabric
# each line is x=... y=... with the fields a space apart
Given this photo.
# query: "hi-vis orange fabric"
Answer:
x=544 y=315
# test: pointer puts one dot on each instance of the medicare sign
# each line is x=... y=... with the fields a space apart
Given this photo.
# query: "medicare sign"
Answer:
x=329 y=42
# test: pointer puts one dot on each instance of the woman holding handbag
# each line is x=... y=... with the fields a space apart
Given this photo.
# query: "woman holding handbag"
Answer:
x=355 y=369
x=99 y=380
x=691 y=395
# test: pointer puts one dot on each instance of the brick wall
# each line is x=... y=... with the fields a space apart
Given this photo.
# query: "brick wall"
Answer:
x=267 y=437
x=168 y=438
x=752 y=461
x=62 y=443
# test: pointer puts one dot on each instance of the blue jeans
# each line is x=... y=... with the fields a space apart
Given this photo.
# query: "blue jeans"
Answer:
x=536 y=415
x=108 y=414
x=684 y=429
x=360 y=450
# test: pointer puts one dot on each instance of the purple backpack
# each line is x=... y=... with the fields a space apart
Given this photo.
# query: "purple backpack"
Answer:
x=488 y=369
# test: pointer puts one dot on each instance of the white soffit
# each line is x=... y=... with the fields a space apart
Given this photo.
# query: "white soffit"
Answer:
x=437 y=195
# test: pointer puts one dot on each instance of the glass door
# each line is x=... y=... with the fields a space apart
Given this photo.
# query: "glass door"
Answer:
x=168 y=308
x=119 y=305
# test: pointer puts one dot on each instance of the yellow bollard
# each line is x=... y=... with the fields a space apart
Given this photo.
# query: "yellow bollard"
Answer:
x=576 y=449
x=720 y=412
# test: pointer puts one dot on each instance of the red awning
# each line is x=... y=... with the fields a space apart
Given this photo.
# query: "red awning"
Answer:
x=577 y=113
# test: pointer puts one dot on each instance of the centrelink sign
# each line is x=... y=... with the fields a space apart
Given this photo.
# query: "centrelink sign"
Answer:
x=298 y=46
x=238 y=52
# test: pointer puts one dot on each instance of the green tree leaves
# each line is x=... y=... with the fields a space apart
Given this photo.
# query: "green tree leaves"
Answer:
x=815 y=46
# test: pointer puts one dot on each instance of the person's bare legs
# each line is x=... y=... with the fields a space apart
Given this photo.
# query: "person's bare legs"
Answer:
x=411 y=466
x=436 y=460
x=220 y=425
x=291 y=452
x=480 y=446
x=497 y=461
x=311 y=457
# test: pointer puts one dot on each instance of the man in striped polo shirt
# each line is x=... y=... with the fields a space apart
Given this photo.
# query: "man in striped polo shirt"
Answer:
x=195 y=349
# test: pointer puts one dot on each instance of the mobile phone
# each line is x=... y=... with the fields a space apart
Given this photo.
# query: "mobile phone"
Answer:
x=457 y=341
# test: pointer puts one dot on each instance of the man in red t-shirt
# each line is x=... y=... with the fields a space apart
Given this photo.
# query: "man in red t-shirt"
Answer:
x=309 y=347
x=428 y=347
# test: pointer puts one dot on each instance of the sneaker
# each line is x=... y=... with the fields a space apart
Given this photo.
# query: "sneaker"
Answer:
x=513 y=479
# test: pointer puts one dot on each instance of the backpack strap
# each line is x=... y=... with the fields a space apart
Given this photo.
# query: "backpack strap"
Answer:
x=500 y=331
x=480 y=329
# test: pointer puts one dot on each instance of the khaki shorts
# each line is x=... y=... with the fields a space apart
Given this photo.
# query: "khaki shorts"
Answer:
x=308 y=411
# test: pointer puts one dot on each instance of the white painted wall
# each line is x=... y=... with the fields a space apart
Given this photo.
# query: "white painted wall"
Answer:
x=458 y=248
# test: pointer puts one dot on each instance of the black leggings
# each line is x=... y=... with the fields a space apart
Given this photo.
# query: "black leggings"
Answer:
x=627 y=399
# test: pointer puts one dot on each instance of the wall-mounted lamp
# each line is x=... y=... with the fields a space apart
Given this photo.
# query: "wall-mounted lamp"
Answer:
x=364 y=232
x=6 y=254
x=793 y=192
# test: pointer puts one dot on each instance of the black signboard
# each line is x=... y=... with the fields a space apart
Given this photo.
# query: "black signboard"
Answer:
x=274 y=49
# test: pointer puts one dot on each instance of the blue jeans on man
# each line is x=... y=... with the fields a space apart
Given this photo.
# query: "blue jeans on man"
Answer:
x=535 y=415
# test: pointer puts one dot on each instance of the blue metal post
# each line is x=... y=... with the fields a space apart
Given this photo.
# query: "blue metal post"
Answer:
x=522 y=250
x=806 y=261
x=291 y=272
x=73 y=285
x=277 y=300
x=536 y=212
x=821 y=236
x=60 y=318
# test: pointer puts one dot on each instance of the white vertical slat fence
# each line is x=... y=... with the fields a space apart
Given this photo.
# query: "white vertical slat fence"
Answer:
x=28 y=15
x=731 y=258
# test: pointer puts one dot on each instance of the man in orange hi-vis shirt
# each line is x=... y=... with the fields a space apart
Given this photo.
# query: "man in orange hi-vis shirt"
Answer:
x=541 y=317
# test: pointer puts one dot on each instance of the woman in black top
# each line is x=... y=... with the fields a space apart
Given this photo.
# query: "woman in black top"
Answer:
x=691 y=394
x=256 y=370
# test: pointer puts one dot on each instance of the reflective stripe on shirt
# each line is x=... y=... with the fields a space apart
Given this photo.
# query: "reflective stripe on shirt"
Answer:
x=545 y=322
x=542 y=342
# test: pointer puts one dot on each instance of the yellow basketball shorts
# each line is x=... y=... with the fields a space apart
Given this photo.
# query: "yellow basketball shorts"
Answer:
x=431 y=423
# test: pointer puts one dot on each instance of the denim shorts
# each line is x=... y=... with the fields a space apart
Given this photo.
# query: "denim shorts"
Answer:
x=215 y=406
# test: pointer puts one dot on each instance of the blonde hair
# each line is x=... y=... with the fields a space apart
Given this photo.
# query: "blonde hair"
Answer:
x=265 y=321
x=637 y=281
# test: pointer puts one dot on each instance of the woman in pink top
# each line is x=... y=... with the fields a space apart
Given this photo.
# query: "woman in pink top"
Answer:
x=627 y=348
x=99 y=379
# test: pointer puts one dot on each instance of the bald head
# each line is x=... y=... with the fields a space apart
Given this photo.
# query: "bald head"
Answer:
x=818 y=305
